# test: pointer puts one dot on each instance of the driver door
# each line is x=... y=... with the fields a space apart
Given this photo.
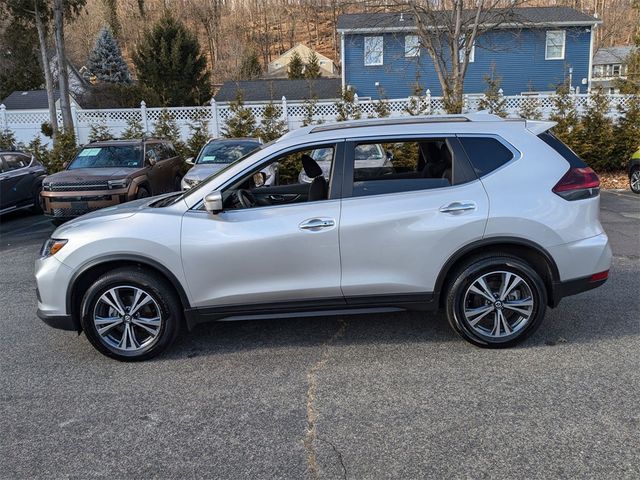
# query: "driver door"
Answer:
x=282 y=253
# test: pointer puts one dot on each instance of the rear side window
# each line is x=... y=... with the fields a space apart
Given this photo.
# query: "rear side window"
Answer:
x=486 y=153
x=566 y=153
x=15 y=161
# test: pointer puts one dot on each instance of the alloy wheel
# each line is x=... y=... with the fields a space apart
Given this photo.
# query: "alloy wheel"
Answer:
x=127 y=318
x=635 y=181
x=498 y=304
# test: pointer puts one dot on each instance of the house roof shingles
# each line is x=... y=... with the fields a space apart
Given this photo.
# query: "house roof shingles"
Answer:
x=611 y=55
x=275 y=89
x=519 y=16
x=28 y=100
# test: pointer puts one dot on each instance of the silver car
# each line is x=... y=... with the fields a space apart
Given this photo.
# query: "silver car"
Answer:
x=215 y=155
x=491 y=220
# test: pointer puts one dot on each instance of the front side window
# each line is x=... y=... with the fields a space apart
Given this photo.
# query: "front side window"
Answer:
x=293 y=177
x=411 y=46
x=373 y=50
x=485 y=153
x=224 y=152
x=555 y=43
x=127 y=156
x=401 y=166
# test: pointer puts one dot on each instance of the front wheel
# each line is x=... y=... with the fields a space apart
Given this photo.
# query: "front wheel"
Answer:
x=496 y=301
x=634 y=180
x=130 y=314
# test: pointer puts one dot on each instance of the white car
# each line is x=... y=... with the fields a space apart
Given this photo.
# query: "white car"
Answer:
x=489 y=219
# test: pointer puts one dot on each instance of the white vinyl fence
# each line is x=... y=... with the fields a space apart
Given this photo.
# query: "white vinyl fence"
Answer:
x=25 y=124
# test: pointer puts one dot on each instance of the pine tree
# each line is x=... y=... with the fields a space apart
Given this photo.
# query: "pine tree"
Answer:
x=347 y=107
x=199 y=134
x=7 y=140
x=19 y=66
x=169 y=61
x=312 y=69
x=493 y=99
x=530 y=108
x=415 y=105
x=296 y=67
x=381 y=106
x=309 y=111
x=99 y=132
x=250 y=68
x=566 y=116
x=627 y=131
x=271 y=126
x=242 y=122
x=64 y=149
x=595 y=137
x=105 y=60
x=134 y=129
x=166 y=127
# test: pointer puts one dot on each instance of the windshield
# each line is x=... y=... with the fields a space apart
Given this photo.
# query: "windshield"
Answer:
x=127 y=156
x=225 y=152
x=203 y=183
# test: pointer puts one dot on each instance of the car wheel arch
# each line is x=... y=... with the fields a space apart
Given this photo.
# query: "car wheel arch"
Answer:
x=90 y=271
x=529 y=251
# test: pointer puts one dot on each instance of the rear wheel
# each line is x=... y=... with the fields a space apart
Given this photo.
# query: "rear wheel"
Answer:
x=496 y=301
x=131 y=314
x=634 y=180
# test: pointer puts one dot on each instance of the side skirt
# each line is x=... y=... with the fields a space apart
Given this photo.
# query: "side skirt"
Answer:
x=312 y=308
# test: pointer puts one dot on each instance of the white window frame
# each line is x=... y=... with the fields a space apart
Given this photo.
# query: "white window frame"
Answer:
x=472 y=53
x=563 y=34
x=412 y=50
x=370 y=42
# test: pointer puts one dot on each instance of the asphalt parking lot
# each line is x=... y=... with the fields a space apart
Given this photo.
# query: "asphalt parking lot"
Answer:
x=376 y=396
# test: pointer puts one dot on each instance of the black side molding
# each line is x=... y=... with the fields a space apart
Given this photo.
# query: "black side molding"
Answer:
x=61 y=322
x=573 y=287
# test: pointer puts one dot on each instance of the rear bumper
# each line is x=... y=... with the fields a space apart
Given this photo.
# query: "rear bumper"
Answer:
x=61 y=322
x=573 y=287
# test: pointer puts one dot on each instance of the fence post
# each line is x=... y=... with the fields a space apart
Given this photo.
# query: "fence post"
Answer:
x=143 y=115
x=427 y=99
x=465 y=103
x=74 y=118
x=285 y=113
x=213 y=128
x=3 y=118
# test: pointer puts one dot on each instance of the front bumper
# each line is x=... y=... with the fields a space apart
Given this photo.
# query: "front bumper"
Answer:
x=61 y=322
x=74 y=204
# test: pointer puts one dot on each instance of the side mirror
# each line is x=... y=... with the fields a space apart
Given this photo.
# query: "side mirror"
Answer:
x=190 y=161
x=213 y=202
x=65 y=165
x=259 y=179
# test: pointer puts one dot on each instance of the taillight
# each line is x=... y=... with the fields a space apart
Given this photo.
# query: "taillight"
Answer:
x=577 y=184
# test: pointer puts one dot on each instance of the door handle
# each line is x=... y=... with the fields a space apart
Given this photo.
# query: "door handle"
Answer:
x=458 y=207
x=316 y=224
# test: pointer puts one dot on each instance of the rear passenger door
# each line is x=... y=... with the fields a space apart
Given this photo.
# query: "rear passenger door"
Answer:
x=404 y=215
x=16 y=179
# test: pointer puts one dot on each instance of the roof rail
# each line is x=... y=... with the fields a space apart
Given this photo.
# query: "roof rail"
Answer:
x=376 y=122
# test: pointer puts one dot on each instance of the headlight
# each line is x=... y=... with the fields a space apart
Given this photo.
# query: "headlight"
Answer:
x=52 y=246
x=122 y=183
x=190 y=182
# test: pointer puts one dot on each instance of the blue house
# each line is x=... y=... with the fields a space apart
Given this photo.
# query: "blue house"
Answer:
x=542 y=48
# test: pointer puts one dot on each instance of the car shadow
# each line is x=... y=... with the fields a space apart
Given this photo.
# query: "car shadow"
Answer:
x=604 y=314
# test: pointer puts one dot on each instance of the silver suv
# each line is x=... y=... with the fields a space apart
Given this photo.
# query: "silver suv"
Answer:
x=491 y=220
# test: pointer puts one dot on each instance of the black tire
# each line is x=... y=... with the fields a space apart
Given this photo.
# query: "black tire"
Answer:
x=142 y=193
x=634 y=177
x=58 y=221
x=37 y=203
x=163 y=298
x=462 y=281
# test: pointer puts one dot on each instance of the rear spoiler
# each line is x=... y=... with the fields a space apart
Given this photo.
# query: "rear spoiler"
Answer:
x=539 y=126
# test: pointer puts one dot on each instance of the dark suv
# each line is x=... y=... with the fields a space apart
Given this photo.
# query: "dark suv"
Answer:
x=20 y=181
x=111 y=172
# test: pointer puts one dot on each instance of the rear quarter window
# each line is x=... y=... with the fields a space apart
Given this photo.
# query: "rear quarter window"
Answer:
x=485 y=153
x=566 y=153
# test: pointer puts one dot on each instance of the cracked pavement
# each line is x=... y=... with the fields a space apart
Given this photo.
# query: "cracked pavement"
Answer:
x=366 y=396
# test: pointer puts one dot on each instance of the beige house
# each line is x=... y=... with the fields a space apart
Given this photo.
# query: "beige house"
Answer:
x=278 y=68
